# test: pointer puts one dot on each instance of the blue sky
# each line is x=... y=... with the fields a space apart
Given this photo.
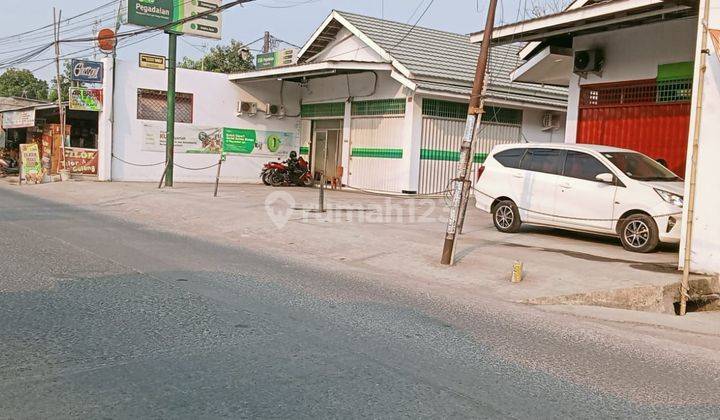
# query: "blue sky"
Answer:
x=290 y=20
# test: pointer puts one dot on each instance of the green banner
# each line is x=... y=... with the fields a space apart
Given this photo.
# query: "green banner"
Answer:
x=239 y=140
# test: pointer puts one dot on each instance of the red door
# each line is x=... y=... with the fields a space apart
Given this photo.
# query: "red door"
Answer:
x=646 y=116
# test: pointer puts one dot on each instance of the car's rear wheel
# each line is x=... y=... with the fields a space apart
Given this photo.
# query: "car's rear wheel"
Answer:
x=639 y=233
x=506 y=217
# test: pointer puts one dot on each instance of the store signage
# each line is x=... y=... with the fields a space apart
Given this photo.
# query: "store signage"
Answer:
x=238 y=141
x=156 y=13
x=81 y=161
x=18 y=119
x=152 y=13
x=208 y=26
x=150 y=61
x=30 y=162
x=84 y=99
x=275 y=59
x=86 y=71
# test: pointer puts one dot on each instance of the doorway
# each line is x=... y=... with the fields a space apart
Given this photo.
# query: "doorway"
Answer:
x=326 y=147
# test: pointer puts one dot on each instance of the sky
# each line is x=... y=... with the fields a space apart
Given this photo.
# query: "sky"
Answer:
x=290 y=20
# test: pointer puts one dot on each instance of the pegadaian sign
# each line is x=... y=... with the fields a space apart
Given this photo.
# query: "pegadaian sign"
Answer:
x=86 y=71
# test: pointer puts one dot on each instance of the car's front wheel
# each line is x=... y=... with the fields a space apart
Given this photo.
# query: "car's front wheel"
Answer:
x=639 y=233
x=506 y=217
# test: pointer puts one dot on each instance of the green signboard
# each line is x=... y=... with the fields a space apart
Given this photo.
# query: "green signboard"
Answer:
x=239 y=140
x=275 y=59
x=149 y=12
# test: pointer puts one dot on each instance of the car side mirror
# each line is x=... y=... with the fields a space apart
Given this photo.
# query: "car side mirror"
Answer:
x=607 y=178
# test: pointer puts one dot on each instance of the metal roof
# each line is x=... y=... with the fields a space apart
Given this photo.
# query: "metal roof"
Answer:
x=443 y=61
x=430 y=53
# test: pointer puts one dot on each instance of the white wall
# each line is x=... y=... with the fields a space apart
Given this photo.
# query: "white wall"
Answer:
x=362 y=87
x=631 y=54
x=705 y=252
x=347 y=46
x=532 y=128
x=215 y=103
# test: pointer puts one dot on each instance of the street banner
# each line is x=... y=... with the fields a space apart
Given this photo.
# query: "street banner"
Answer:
x=258 y=143
x=208 y=26
x=18 y=119
x=188 y=138
x=81 y=161
x=86 y=71
x=30 y=162
x=235 y=141
x=84 y=99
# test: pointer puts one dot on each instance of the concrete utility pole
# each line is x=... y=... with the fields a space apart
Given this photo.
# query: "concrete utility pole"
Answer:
x=57 y=16
x=266 y=42
x=461 y=183
x=170 y=130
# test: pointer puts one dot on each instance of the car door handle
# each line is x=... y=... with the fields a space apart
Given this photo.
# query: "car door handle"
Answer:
x=565 y=185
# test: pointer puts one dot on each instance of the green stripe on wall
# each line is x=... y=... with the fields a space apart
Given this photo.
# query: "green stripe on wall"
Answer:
x=448 y=155
x=377 y=153
x=304 y=150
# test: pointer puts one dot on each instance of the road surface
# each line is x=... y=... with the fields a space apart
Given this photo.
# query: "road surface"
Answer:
x=100 y=318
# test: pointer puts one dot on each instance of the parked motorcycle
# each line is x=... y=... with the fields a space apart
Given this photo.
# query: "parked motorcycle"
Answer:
x=283 y=176
x=8 y=166
x=268 y=170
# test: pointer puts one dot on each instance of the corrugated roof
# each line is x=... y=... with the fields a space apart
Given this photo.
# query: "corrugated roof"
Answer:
x=434 y=54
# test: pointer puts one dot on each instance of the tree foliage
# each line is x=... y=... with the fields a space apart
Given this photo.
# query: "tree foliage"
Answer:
x=65 y=83
x=22 y=83
x=222 y=59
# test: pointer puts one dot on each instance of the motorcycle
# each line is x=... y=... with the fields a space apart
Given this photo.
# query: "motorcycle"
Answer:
x=268 y=170
x=285 y=177
x=8 y=167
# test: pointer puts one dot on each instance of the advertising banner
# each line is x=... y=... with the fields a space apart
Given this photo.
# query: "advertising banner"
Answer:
x=81 y=161
x=30 y=161
x=86 y=71
x=236 y=141
x=188 y=138
x=18 y=119
x=84 y=99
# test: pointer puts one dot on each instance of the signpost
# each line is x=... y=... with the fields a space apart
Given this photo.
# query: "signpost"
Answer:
x=208 y=26
x=151 y=61
x=31 y=167
x=85 y=99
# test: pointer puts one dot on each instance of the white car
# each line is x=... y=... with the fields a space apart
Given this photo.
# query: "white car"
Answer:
x=590 y=188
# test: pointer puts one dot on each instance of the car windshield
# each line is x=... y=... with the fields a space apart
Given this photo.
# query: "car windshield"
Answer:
x=640 y=167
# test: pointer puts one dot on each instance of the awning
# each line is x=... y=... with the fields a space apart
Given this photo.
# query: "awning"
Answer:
x=598 y=17
x=551 y=66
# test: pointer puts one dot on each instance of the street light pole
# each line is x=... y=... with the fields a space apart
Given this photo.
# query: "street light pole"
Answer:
x=461 y=183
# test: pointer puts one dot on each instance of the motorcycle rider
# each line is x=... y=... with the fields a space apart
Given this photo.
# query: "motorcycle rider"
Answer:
x=293 y=165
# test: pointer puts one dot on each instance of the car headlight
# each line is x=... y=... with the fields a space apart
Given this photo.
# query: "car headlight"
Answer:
x=670 y=197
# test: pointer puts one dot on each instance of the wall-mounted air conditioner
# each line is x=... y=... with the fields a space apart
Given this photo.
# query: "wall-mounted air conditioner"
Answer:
x=272 y=110
x=246 y=108
x=588 y=61
x=550 y=121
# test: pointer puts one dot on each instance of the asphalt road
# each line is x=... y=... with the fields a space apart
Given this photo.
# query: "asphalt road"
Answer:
x=100 y=318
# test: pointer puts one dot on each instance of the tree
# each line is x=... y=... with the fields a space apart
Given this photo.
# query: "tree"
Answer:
x=65 y=83
x=540 y=8
x=22 y=83
x=222 y=59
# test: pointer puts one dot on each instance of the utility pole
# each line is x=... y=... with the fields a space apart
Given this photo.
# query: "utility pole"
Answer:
x=170 y=130
x=266 y=42
x=461 y=184
x=58 y=78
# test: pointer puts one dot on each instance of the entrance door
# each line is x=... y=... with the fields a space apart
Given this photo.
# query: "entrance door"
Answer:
x=327 y=152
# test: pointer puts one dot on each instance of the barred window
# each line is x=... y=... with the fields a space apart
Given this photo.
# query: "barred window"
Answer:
x=152 y=105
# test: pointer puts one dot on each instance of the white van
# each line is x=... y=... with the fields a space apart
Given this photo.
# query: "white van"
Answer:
x=597 y=189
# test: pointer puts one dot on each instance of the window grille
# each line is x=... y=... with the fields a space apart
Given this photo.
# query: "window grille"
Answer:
x=636 y=93
x=152 y=105
x=459 y=110
x=379 y=107
x=331 y=109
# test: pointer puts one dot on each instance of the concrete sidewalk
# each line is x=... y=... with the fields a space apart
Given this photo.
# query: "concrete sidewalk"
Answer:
x=399 y=237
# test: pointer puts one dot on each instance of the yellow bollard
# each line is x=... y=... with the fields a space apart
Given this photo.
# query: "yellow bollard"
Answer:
x=517 y=272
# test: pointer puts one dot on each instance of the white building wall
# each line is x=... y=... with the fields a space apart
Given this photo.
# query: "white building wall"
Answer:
x=533 y=131
x=215 y=101
x=705 y=251
x=347 y=46
x=359 y=86
x=631 y=54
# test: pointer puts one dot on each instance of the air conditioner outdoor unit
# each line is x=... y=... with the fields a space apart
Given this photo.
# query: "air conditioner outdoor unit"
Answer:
x=247 y=108
x=588 y=61
x=272 y=110
x=550 y=121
